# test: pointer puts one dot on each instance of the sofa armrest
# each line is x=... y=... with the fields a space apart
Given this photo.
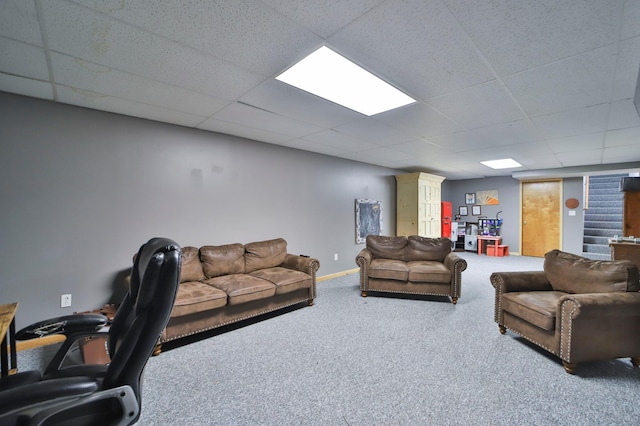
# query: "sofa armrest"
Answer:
x=453 y=262
x=364 y=257
x=308 y=265
x=363 y=260
x=594 y=326
x=508 y=282
x=456 y=265
x=600 y=305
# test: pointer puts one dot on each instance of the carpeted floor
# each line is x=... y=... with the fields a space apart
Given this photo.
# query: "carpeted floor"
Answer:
x=350 y=360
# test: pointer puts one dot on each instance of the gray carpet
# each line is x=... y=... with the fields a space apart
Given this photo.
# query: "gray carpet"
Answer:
x=350 y=360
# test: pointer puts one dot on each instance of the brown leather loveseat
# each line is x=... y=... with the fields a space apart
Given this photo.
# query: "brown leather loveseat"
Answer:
x=576 y=308
x=220 y=285
x=410 y=265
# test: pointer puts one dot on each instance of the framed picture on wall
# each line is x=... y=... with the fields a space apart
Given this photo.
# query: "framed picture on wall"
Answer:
x=476 y=210
x=463 y=210
x=470 y=198
x=368 y=219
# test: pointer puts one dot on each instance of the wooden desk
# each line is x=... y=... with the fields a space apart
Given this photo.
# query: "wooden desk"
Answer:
x=8 y=324
x=481 y=238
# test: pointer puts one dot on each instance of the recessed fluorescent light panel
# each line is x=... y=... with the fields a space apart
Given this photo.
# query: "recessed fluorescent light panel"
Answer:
x=333 y=77
x=505 y=163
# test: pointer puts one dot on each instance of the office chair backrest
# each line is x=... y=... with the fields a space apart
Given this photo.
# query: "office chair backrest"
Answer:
x=144 y=312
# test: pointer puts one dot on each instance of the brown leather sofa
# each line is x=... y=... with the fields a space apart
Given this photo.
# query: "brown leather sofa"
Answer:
x=220 y=285
x=576 y=308
x=410 y=265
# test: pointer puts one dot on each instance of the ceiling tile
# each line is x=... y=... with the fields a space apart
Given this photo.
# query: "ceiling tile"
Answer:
x=576 y=158
x=574 y=122
x=629 y=137
x=478 y=106
x=627 y=67
x=242 y=32
x=620 y=154
x=623 y=114
x=87 y=35
x=103 y=102
x=339 y=140
x=522 y=34
x=513 y=133
x=19 y=20
x=283 y=99
x=419 y=120
x=382 y=156
x=254 y=117
x=577 y=143
x=579 y=81
x=323 y=17
x=425 y=59
x=322 y=148
x=85 y=75
x=23 y=59
x=374 y=132
x=243 y=131
x=420 y=148
x=630 y=19
x=25 y=86
x=539 y=161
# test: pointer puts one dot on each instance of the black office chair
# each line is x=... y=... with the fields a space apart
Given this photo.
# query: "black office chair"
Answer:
x=106 y=394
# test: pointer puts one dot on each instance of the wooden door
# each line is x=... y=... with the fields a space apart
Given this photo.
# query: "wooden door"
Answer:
x=631 y=214
x=541 y=217
x=429 y=215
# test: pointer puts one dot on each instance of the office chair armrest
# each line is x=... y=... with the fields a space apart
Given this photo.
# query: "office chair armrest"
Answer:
x=66 y=325
x=117 y=406
x=23 y=396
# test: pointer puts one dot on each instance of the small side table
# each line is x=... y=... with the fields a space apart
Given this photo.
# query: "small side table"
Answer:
x=625 y=251
x=495 y=238
x=8 y=350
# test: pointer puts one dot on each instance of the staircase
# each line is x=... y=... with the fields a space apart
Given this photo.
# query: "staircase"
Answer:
x=603 y=218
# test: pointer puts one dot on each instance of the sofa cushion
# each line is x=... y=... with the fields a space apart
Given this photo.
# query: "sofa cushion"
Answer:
x=264 y=254
x=428 y=271
x=286 y=280
x=574 y=274
x=537 y=307
x=191 y=269
x=425 y=248
x=194 y=296
x=222 y=260
x=389 y=269
x=242 y=288
x=383 y=247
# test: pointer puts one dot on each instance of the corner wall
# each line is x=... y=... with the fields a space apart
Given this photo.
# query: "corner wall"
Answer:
x=82 y=190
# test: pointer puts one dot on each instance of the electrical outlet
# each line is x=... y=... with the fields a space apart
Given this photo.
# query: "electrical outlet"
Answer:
x=65 y=301
x=335 y=256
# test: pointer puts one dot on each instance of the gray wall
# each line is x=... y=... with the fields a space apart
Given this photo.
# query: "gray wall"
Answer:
x=572 y=226
x=82 y=190
x=509 y=196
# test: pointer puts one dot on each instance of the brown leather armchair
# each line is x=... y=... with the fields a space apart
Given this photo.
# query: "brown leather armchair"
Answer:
x=578 y=309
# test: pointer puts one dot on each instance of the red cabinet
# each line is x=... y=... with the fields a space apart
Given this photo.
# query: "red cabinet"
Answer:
x=447 y=213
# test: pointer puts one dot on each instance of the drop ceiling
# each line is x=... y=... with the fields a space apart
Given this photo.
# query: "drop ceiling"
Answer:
x=549 y=83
